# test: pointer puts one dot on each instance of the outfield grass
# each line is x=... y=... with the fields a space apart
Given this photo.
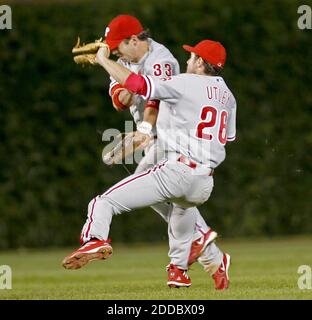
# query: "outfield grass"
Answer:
x=261 y=270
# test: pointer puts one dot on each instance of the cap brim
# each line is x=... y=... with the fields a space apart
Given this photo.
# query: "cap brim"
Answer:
x=188 y=48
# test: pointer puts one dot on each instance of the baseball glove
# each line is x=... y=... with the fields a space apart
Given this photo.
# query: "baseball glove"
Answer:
x=128 y=144
x=86 y=53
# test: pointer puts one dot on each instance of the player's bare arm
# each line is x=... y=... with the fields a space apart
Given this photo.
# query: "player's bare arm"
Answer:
x=121 y=74
x=117 y=71
x=149 y=119
x=150 y=116
x=129 y=80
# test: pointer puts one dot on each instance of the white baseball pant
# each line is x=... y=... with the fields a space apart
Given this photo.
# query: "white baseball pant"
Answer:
x=167 y=181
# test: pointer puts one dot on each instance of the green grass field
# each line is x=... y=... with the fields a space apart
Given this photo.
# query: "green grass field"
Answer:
x=261 y=269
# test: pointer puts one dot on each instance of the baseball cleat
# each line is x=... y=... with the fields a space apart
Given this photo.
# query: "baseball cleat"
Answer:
x=199 y=245
x=92 y=250
x=221 y=276
x=177 y=277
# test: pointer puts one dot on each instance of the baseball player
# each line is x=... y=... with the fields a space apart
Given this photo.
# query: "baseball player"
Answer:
x=201 y=111
x=139 y=53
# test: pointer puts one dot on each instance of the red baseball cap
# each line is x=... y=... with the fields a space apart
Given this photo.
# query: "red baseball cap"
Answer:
x=120 y=28
x=211 y=51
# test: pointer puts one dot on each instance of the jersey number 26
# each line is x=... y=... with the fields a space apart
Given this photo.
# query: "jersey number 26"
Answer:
x=209 y=112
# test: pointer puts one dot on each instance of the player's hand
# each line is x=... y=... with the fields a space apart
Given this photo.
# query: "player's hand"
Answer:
x=102 y=54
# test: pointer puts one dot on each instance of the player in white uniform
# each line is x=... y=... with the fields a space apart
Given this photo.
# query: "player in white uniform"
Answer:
x=141 y=54
x=185 y=175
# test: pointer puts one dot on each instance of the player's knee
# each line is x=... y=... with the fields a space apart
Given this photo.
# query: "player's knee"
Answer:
x=109 y=205
x=99 y=204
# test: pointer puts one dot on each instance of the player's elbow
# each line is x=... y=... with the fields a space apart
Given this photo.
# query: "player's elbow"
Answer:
x=121 y=99
x=125 y=98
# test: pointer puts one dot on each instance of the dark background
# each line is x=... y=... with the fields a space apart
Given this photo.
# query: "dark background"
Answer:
x=52 y=113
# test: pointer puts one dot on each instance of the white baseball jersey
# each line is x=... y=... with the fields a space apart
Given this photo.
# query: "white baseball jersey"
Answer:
x=158 y=62
x=201 y=112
